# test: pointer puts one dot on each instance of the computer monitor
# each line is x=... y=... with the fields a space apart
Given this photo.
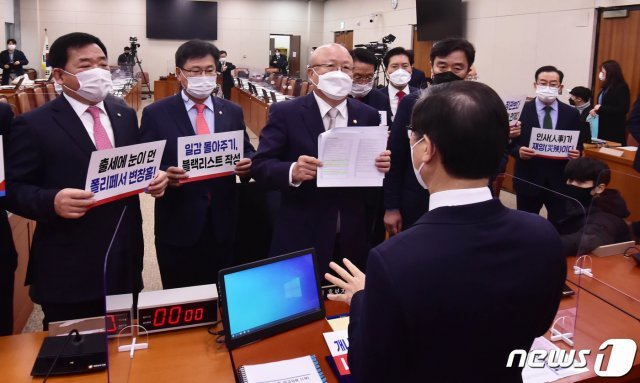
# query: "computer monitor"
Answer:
x=239 y=83
x=265 y=95
x=263 y=298
x=274 y=99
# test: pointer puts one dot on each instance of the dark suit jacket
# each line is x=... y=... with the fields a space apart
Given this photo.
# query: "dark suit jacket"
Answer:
x=280 y=63
x=385 y=93
x=612 y=114
x=480 y=278
x=180 y=216
x=50 y=150
x=17 y=69
x=417 y=78
x=541 y=171
x=401 y=188
x=8 y=256
x=308 y=214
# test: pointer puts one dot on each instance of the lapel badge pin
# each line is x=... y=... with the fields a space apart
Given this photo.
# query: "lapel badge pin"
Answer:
x=219 y=112
x=119 y=115
x=355 y=121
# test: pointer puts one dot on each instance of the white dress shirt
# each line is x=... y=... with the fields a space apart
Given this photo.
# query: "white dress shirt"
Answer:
x=208 y=112
x=459 y=197
x=393 y=98
x=87 y=119
x=341 y=121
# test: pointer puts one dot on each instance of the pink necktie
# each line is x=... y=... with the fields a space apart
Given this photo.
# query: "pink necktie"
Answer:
x=99 y=132
x=201 y=123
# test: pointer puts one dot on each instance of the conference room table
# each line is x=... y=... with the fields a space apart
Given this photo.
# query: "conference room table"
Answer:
x=193 y=355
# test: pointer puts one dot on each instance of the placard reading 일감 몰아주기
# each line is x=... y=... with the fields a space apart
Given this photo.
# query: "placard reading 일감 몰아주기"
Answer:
x=210 y=155
x=554 y=144
x=2 y=184
x=121 y=172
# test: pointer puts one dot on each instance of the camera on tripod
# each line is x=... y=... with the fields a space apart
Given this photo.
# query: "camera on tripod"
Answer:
x=133 y=41
x=379 y=49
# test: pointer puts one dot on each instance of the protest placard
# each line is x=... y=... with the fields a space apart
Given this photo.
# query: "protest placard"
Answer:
x=554 y=144
x=210 y=155
x=121 y=172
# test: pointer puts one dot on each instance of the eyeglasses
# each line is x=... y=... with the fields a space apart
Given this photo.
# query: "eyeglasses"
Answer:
x=333 y=67
x=199 y=72
x=362 y=80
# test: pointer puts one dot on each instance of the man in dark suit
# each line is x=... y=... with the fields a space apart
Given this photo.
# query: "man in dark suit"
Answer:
x=327 y=219
x=418 y=78
x=580 y=98
x=548 y=113
x=405 y=200
x=278 y=60
x=363 y=89
x=398 y=69
x=470 y=272
x=126 y=61
x=225 y=68
x=195 y=222
x=12 y=61
x=8 y=256
x=47 y=161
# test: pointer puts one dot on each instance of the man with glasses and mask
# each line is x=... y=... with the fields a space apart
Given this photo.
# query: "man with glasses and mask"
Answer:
x=332 y=220
x=194 y=222
x=46 y=169
x=470 y=270
x=542 y=178
x=365 y=65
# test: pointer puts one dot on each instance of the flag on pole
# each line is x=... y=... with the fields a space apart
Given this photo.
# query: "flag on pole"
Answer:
x=45 y=56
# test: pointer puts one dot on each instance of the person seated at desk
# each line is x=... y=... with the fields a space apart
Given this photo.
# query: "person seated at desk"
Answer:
x=599 y=220
x=634 y=130
x=278 y=60
x=580 y=98
x=470 y=273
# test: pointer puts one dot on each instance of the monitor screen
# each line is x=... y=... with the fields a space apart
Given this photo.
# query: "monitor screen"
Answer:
x=269 y=296
x=182 y=20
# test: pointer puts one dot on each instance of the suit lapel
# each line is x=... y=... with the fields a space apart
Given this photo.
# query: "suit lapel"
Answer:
x=180 y=116
x=352 y=111
x=118 y=124
x=312 y=118
x=221 y=124
x=68 y=120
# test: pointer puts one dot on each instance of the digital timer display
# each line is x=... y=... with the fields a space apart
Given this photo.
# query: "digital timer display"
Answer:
x=116 y=322
x=177 y=316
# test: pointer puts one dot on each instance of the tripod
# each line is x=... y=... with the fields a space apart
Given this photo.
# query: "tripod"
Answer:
x=145 y=81
x=376 y=76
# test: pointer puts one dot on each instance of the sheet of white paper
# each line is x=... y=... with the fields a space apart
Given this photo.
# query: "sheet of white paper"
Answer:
x=348 y=156
x=514 y=105
x=629 y=148
x=547 y=374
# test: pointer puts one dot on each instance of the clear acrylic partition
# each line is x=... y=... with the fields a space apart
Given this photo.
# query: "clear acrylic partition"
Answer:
x=563 y=327
x=608 y=242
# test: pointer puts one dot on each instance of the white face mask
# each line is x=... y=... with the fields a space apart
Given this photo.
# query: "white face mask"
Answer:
x=201 y=87
x=602 y=76
x=335 y=84
x=95 y=84
x=400 y=77
x=417 y=171
x=223 y=60
x=547 y=94
x=361 y=90
x=11 y=47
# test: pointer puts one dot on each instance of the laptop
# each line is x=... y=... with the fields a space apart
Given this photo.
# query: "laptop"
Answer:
x=613 y=249
x=270 y=296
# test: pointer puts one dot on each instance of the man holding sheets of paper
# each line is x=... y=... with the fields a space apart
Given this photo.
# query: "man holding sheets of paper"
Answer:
x=329 y=218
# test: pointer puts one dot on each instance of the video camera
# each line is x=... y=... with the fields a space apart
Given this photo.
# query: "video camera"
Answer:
x=133 y=41
x=379 y=49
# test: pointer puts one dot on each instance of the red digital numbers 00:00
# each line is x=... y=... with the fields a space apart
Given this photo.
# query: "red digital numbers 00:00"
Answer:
x=174 y=316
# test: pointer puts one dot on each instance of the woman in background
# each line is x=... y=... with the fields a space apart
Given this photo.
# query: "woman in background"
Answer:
x=613 y=103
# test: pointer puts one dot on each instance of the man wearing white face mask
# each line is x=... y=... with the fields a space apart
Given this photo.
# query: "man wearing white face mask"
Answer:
x=332 y=220
x=194 y=222
x=12 y=62
x=546 y=112
x=363 y=89
x=47 y=165
x=398 y=70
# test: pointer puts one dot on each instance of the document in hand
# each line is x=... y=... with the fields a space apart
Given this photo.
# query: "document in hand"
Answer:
x=348 y=156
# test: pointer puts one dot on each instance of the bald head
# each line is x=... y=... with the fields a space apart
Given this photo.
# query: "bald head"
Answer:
x=333 y=52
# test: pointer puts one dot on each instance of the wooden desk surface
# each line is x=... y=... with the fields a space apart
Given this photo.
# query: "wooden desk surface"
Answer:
x=616 y=279
x=597 y=322
x=626 y=158
x=180 y=356
x=305 y=340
